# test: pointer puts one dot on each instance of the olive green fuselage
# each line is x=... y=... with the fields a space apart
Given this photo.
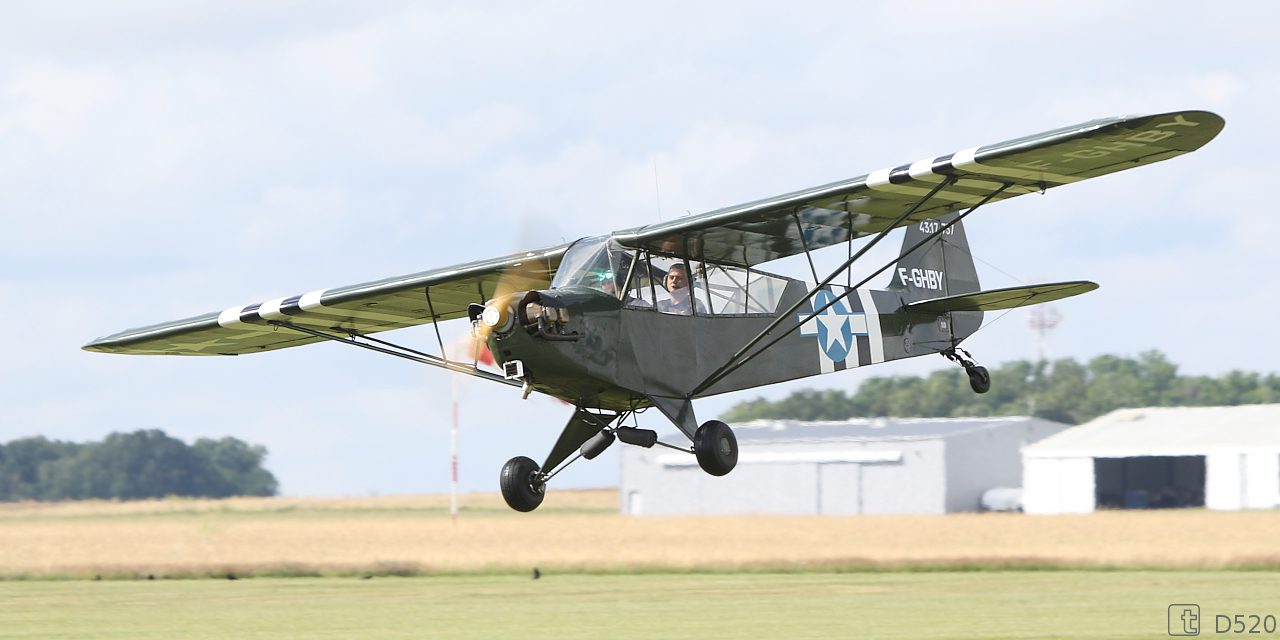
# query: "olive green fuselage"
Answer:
x=623 y=355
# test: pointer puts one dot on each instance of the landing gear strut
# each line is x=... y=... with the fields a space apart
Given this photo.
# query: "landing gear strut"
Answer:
x=524 y=483
x=979 y=377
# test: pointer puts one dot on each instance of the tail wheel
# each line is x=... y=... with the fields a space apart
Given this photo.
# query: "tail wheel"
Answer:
x=522 y=485
x=716 y=448
x=979 y=379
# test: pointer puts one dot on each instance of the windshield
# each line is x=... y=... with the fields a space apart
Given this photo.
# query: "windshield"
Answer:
x=596 y=263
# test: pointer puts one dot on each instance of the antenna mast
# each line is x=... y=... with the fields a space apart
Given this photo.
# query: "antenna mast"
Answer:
x=1043 y=318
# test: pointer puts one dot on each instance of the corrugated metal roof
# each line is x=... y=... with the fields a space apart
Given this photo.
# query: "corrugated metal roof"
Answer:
x=865 y=429
x=799 y=457
x=1168 y=431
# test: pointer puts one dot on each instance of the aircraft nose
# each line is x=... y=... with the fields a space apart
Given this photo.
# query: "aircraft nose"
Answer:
x=546 y=316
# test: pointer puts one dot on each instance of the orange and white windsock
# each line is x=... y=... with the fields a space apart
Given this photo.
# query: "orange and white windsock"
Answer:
x=466 y=348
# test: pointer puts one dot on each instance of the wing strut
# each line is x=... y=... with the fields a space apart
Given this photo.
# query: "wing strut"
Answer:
x=435 y=323
x=733 y=364
x=804 y=242
x=399 y=351
x=725 y=369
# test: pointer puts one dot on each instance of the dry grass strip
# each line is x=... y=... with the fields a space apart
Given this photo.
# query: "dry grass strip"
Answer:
x=581 y=531
x=593 y=500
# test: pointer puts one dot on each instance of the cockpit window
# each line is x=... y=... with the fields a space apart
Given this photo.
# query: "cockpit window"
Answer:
x=667 y=284
x=596 y=263
x=678 y=286
x=737 y=291
x=714 y=289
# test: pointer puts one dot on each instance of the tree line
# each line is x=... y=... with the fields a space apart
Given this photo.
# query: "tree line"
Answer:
x=132 y=466
x=1063 y=390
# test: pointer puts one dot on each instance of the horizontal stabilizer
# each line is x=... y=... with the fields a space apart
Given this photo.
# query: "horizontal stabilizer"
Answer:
x=998 y=299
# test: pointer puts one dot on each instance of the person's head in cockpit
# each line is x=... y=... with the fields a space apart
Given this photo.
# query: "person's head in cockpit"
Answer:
x=677 y=278
x=603 y=281
x=678 y=287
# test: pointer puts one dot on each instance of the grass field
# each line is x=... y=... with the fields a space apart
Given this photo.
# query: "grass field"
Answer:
x=581 y=531
x=398 y=567
x=996 y=604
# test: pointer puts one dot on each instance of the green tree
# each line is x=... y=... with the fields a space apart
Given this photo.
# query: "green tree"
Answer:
x=129 y=466
x=1065 y=391
x=21 y=462
x=240 y=465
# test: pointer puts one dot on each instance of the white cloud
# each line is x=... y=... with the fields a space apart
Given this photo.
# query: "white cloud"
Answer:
x=1217 y=89
x=587 y=187
x=53 y=103
x=958 y=17
x=466 y=137
x=289 y=219
x=344 y=62
x=592 y=187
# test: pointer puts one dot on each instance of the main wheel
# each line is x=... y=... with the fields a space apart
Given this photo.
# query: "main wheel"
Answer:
x=522 y=487
x=716 y=448
x=979 y=379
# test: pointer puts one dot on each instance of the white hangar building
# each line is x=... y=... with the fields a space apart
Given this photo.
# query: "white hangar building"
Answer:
x=876 y=466
x=1217 y=457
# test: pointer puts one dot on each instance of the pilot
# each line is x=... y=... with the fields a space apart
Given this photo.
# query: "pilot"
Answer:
x=678 y=286
x=604 y=281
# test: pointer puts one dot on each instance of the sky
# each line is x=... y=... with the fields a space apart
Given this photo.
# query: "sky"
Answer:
x=163 y=160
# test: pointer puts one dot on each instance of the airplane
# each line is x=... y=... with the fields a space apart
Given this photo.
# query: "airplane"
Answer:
x=663 y=314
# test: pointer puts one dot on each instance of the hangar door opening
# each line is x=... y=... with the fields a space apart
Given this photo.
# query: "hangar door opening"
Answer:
x=1149 y=482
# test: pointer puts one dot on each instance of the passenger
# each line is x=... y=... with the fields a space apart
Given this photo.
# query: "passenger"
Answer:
x=678 y=287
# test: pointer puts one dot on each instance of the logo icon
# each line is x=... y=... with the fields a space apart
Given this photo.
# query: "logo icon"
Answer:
x=834 y=328
x=1184 y=619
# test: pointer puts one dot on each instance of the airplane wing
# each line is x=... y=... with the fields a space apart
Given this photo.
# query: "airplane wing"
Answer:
x=744 y=235
x=765 y=230
x=394 y=303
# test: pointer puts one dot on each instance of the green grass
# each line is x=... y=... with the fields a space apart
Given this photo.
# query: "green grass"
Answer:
x=1074 y=604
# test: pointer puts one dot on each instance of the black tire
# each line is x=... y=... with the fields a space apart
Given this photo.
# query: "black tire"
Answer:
x=522 y=488
x=716 y=448
x=979 y=379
